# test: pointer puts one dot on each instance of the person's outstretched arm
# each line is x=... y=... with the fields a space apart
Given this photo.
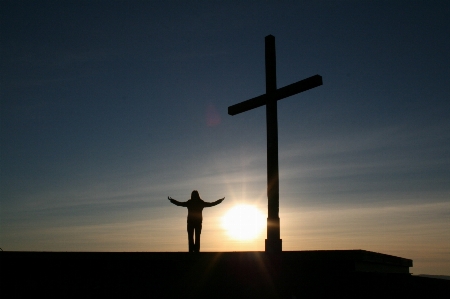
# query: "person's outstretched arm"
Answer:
x=176 y=202
x=214 y=203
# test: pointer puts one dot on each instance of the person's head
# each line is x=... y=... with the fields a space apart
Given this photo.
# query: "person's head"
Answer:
x=195 y=195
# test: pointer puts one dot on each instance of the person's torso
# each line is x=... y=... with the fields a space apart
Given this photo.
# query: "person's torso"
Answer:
x=195 y=208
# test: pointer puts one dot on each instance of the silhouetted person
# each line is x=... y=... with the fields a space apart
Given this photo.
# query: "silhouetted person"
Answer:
x=195 y=207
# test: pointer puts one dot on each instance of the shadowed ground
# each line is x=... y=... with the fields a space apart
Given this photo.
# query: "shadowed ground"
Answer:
x=349 y=273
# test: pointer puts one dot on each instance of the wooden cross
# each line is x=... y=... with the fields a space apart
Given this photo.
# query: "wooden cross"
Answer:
x=270 y=98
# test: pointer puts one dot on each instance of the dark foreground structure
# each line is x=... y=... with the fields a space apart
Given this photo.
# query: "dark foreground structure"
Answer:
x=296 y=274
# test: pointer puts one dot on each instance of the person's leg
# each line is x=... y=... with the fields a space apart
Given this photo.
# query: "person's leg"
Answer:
x=198 y=231
x=190 y=230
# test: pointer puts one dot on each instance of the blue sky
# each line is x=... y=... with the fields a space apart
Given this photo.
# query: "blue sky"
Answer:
x=108 y=107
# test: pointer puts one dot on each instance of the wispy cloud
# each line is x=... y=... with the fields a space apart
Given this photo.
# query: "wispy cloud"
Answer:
x=381 y=161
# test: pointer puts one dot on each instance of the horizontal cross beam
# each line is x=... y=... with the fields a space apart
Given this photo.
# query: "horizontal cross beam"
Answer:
x=279 y=94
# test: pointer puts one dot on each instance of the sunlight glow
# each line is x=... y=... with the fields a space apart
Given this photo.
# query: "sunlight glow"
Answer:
x=244 y=222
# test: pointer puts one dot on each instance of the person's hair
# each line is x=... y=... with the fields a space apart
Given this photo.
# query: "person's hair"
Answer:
x=195 y=195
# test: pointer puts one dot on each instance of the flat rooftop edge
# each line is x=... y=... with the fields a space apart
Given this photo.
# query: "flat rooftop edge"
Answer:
x=356 y=255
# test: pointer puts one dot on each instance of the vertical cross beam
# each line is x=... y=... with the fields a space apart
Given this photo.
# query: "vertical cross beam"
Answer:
x=269 y=99
x=273 y=241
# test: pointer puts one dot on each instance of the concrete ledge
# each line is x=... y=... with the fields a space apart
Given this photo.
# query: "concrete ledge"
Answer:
x=320 y=260
x=211 y=274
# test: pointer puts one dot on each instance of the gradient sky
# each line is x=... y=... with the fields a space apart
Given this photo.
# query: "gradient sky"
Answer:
x=108 y=107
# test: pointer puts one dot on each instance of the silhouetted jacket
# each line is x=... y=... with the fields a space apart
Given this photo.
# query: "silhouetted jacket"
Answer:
x=195 y=208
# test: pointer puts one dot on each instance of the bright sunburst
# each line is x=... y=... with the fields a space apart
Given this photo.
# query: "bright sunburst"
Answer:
x=244 y=222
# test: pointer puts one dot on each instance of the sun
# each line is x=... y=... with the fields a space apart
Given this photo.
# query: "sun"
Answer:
x=244 y=222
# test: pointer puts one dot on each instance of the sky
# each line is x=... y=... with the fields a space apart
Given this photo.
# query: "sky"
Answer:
x=109 y=107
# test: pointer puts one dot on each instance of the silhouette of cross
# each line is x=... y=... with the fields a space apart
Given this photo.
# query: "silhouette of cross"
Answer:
x=273 y=243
